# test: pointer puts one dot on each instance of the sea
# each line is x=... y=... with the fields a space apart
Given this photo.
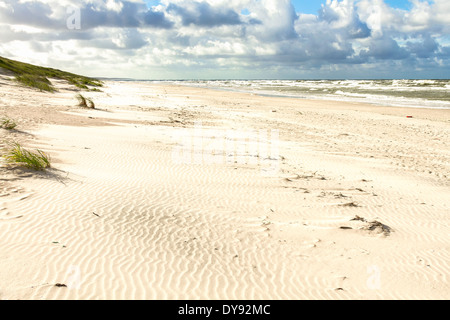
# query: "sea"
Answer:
x=434 y=94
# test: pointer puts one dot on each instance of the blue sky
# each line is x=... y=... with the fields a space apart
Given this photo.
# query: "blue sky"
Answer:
x=312 y=6
x=222 y=39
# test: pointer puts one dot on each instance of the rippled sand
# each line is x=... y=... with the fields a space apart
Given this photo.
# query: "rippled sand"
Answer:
x=170 y=192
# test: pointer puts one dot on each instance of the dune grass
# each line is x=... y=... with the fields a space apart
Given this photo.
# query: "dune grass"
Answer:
x=16 y=154
x=37 y=77
x=8 y=124
x=85 y=102
x=36 y=81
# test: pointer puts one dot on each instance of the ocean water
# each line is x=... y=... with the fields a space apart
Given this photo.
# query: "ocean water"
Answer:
x=404 y=93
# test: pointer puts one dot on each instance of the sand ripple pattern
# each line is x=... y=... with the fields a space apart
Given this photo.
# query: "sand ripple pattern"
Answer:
x=142 y=236
x=117 y=219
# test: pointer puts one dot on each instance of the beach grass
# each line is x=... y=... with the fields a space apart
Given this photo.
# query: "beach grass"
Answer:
x=85 y=102
x=38 y=77
x=36 y=81
x=8 y=124
x=16 y=154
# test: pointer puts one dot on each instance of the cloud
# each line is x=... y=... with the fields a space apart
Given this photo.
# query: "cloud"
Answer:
x=385 y=48
x=210 y=36
x=277 y=18
x=34 y=13
x=153 y=18
x=343 y=16
x=424 y=48
x=204 y=14
x=53 y=14
x=123 y=14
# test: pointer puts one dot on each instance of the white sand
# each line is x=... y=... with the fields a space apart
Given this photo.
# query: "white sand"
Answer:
x=129 y=212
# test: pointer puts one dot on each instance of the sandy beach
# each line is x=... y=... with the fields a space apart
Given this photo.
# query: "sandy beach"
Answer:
x=176 y=192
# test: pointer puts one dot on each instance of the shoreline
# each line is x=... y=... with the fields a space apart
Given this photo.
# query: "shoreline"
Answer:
x=341 y=98
x=159 y=193
x=437 y=114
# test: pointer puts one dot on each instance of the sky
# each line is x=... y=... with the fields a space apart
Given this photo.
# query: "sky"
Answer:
x=231 y=39
x=313 y=6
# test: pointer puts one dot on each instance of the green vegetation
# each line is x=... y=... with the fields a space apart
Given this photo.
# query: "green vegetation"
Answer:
x=85 y=102
x=16 y=154
x=36 y=81
x=7 y=124
x=37 y=77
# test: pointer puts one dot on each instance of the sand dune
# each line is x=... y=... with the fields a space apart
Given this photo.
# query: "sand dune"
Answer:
x=319 y=200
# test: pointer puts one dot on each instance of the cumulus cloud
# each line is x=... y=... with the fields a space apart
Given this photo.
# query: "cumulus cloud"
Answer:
x=343 y=16
x=384 y=48
x=277 y=18
x=35 y=13
x=52 y=14
x=123 y=14
x=423 y=48
x=222 y=35
x=203 y=14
